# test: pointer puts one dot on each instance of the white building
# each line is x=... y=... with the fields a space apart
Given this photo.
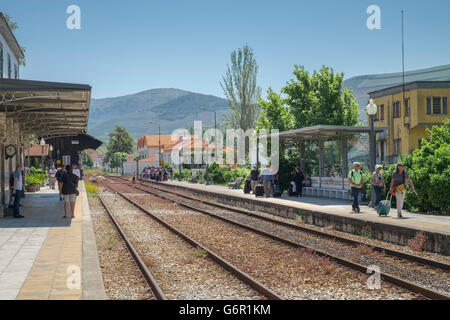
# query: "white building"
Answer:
x=10 y=52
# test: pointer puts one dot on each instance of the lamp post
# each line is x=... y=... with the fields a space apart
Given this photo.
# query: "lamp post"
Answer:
x=372 y=111
x=215 y=131
x=51 y=154
x=42 y=143
x=159 y=141
x=180 y=162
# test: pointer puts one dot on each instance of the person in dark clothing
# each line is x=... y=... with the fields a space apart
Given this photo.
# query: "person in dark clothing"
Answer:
x=59 y=174
x=298 y=179
x=254 y=175
x=17 y=190
x=69 y=190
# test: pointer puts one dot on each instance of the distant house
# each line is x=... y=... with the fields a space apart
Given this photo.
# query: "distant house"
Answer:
x=148 y=146
x=34 y=154
x=96 y=158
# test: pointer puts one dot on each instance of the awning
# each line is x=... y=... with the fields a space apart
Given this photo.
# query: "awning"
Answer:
x=48 y=109
x=322 y=132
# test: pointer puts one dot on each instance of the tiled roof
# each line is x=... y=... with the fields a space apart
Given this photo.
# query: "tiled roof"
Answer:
x=36 y=151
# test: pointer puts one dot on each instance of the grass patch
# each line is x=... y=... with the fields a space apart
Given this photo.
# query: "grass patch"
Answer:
x=91 y=189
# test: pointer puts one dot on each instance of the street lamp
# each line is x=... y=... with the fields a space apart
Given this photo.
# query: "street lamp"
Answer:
x=372 y=111
x=215 y=130
x=51 y=154
x=42 y=143
x=159 y=141
x=180 y=160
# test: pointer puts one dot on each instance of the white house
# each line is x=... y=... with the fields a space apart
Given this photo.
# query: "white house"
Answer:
x=10 y=52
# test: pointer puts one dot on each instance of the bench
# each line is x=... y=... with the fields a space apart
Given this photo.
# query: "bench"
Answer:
x=236 y=184
x=328 y=187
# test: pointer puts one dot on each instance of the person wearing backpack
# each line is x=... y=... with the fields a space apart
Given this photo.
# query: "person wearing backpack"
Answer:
x=69 y=190
x=398 y=186
x=356 y=180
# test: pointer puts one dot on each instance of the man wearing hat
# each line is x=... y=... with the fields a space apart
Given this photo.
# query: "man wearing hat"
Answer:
x=356 y=180
x=378 y=183
x=398 y=185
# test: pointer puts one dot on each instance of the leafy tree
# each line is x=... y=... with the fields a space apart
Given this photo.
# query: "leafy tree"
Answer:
x=117 y=159
x=240 y=89
x=87 y=161
x=120 y=140
x=307 y=100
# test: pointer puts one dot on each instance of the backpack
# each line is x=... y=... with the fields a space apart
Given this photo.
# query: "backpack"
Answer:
x=353 y=170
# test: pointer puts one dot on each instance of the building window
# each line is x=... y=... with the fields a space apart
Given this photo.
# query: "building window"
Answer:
x=16 y=71
x=382 y=112
x=407 y=107
x=436 y=105
x=396 y=107
x=444 y=105
x=9 y=66
x=428 y=105
x=397 y=146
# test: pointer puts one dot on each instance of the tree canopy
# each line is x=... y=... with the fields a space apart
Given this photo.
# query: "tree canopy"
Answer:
x=240 y=89
x=120 y=140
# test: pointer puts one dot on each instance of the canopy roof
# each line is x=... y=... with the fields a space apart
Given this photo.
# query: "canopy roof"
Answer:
x=322 y=132
x=48 y=109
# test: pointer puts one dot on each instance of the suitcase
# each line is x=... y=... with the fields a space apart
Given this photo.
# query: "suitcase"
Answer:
x=292 y=191
x=259 y=190
x=384 y=207
x=247 y=186
x=276 y=192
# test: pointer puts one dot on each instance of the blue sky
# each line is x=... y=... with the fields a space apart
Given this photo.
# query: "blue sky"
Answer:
x=125 y=47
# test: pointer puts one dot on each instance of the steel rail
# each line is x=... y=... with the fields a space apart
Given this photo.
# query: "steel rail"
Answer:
x=358 y=267
x=156 y=290
x=244 y=277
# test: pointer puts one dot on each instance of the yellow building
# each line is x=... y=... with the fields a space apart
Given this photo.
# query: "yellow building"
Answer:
x=405 y=112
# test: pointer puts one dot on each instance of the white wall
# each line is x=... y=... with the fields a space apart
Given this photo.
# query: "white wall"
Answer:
x=14 y=61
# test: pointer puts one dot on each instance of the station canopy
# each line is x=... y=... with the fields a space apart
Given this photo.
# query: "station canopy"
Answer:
x=323 y=132
x=48 y=109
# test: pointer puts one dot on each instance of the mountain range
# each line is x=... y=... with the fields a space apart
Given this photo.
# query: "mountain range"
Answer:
x=175 y=108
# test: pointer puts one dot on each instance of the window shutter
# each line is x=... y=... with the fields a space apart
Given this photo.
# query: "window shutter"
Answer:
x=444 y=105
x=428 y=105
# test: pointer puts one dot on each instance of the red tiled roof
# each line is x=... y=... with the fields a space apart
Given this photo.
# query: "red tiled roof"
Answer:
x=36 y=150
x=152 y=159
x=95 y=156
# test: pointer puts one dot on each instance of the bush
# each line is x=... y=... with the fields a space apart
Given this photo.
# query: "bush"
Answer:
x=91 y=189
x=35 y=178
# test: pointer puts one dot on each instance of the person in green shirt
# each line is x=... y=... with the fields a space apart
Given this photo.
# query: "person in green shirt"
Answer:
x=356 y=180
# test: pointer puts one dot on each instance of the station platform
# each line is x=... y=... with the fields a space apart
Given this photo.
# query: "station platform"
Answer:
x=337 y=213
x=44 y=256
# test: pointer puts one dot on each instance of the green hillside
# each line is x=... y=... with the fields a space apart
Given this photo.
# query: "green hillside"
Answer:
x=172 y=108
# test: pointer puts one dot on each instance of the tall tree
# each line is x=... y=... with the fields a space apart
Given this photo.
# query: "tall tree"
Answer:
x=240 y=89
x=87 y=160
x=120 y=140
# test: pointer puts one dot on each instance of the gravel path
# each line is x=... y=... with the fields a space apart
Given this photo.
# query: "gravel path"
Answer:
x=181 y=271
x=430 y=277
x=122 y=278
x=293 y=273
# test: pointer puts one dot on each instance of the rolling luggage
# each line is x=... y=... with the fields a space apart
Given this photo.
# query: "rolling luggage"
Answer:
x=247 y=186
x=276 y=192
x=259 y=190
x=292 y=189
x=384 y=207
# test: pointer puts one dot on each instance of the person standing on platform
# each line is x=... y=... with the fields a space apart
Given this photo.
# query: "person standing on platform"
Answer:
x=17 y=190
x=356 y=180
x=254 y=176
x=69 y=190
x=267 y=178
x=52 y=177
x=299 y=177
x=378 y=184
x=76 y=171
x=59 y=174
x=398 y=185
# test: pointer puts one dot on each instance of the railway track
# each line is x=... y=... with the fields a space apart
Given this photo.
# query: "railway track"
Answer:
x=236 y=272
x=396 y=253
x=156 y=290
x=186 y=201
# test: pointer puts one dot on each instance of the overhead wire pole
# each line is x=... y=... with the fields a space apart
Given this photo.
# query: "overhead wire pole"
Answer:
x=403 y=64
